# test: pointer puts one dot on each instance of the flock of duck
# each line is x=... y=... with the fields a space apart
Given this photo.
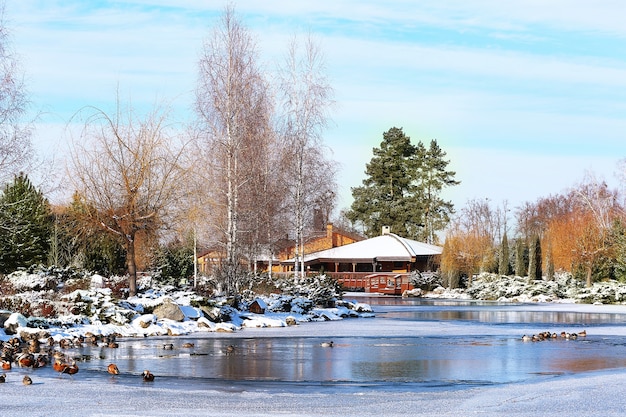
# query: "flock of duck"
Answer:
x=551 y=336
x=35 y=354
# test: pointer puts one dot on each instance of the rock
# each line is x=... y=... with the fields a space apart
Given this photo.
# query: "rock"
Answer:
x=211 y=313
x=363 y=308
x=97 y=281
x=15 y=321
x=169 y=310
x=4 y=316
x=417 y=292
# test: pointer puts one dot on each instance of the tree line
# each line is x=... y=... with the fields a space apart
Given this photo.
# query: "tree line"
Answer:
x=580 y=230
x=252 y=171
x=248 y=173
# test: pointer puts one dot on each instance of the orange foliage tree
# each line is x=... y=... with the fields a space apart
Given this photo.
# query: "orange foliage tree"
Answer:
x=581 y=236
x=464 y=252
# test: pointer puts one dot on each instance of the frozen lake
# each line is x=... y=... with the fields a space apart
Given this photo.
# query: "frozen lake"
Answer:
x=410 y=344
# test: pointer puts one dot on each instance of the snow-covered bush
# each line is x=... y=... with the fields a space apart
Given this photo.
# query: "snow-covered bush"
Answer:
x=426 y=281
x=322 y=290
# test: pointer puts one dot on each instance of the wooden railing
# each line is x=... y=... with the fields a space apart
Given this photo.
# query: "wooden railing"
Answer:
x=371 y=282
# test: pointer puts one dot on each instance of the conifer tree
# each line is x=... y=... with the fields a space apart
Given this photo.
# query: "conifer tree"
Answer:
x=520 y=264
x=504 y=268
x=534 y=259
x=25 y=225
x=402 y=189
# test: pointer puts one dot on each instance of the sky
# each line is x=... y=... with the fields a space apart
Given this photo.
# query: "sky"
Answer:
x=525 y=97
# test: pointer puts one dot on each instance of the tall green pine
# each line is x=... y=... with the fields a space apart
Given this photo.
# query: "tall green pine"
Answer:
x=402 y=189
x=520 y=263
x=534 y=259
x=504 y=267
x=25 y=225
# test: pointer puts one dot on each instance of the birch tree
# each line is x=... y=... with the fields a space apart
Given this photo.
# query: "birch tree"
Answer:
x=306 y=98
x=15 y=137
x=233 y=107
x=126 y=169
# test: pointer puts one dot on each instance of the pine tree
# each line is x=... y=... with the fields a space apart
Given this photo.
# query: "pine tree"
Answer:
x=25 y=225
x=520 y=264
x=402 y=189
x=504 y=268
x=534 y=259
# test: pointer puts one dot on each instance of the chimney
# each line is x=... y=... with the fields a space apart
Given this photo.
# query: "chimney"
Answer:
x=386 y=230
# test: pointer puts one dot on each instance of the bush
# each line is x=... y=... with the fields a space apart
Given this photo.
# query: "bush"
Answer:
x=322 y=290
x=426 y=281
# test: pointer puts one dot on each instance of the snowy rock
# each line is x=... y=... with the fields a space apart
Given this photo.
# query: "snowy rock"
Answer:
x=169 y=310
x=4 y=316
x=97 y=281
x=416 y=292
x=191 y=312
x=14 y=322
x=362 y=308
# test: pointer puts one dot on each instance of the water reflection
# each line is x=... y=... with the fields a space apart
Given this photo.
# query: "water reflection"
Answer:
x=432 y=361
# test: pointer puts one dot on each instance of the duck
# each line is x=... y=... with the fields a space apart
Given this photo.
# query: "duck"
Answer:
x=27 y=380
x=59 y=366
x=168 y=346
x=6 y=365
x=147 y=376
x=113 y=345
x=583 y=333
x=526 y=338
x=65 y=343
x=112 y=369
x=65 y=368
x=327 y=344
x=26 y=360
x=188 y=345
x=3 y=378
x=230 y=349
x=71 y=369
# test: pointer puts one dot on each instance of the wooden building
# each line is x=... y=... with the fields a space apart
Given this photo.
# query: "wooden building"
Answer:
x=386 y=253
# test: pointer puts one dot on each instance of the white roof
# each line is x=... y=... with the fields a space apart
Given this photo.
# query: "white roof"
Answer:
x=388 y=247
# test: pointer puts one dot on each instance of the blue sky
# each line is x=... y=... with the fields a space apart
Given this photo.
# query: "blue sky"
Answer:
x=524 y=96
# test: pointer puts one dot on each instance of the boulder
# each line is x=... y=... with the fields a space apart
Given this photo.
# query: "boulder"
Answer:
x=169 y=310
x=4 y=316
x=14 y=322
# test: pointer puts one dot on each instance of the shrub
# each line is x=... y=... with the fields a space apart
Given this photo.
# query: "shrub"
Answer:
x=426 y=281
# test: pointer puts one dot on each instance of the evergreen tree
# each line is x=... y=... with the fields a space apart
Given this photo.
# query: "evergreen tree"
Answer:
x=432 y=177
x=504 y=268
x=534 y=259
x=402 y=189
x=619 y=241
x=520 y=263
x=25 y=225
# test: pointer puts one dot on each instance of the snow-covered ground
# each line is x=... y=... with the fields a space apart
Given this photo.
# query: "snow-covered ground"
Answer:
x=597 y=393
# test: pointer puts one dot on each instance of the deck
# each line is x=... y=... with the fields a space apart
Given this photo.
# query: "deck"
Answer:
x=382 y=282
